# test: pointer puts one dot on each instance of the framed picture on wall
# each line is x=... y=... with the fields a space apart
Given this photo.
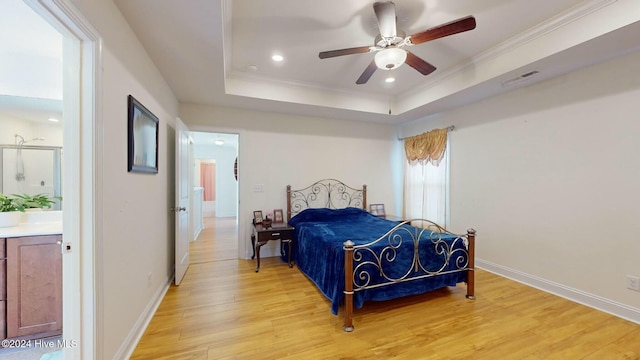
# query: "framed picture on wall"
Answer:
x=142 y=138
x=257 y=217
x=377 y=210
x=278 y=216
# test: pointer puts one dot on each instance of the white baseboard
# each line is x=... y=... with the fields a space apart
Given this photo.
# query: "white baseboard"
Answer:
x=129 y=344
x=594 y=301
x=197 y=232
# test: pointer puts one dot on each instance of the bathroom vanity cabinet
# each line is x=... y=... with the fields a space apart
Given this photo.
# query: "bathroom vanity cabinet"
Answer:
x=3 y=289
x=30 y=286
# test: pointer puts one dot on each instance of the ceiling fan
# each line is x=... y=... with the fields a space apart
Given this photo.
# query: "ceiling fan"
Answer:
x=390 y=42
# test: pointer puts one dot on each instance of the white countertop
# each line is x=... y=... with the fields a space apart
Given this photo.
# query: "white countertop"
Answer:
x=34 y=224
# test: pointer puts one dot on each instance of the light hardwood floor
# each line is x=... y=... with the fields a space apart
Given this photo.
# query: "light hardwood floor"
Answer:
x=224 y=310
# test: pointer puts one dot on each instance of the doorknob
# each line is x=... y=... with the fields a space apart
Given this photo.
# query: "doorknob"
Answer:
x=178 y=209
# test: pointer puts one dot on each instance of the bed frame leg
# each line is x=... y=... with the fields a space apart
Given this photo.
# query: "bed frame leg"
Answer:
x=348 y=285
x=471 y=235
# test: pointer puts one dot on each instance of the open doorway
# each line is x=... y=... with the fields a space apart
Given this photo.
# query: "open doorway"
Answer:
x=81 y=53
x=31 y=155
x=215 y=200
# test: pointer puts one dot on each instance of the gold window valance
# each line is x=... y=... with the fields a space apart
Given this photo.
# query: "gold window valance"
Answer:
x=429 y=146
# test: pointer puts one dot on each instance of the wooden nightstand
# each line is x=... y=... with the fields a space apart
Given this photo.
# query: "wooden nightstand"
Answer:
x=277 y=231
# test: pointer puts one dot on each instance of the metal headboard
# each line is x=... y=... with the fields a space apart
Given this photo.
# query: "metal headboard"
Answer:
x=326 y=193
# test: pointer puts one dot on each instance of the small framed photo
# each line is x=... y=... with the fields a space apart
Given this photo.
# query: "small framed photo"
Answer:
x=278 y=216
x=142 y=138
x=377 y=210
x=257 y=217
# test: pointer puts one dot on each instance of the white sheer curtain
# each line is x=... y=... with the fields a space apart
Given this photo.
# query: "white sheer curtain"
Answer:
x=425 y=190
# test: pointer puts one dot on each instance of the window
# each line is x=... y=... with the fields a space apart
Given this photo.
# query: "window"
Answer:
x=426 y=189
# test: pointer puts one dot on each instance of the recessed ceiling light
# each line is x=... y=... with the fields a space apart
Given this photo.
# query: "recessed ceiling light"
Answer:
x=53 y=120
x=219 y=142
x=390 y=79
x=277 y=58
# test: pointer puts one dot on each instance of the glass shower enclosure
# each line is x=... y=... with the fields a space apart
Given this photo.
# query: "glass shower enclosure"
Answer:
x=26 y=169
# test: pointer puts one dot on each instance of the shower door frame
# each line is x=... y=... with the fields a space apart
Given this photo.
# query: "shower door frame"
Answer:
x=57 y=164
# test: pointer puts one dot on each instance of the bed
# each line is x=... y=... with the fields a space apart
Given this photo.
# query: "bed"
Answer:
x=353 y=256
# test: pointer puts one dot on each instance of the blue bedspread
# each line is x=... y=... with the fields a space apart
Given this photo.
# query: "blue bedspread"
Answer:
x=319 y=238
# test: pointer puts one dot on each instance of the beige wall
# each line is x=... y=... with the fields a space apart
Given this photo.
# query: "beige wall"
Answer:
x=279 y=149
x=548 y=176
x=136 y=225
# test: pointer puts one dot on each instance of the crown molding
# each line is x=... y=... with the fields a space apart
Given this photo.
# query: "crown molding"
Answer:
x=563 y=19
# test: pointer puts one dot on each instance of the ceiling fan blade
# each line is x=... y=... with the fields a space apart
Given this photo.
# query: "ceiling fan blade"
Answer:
x=450 y=28
x=367 y=73
x=386 y=15
x=417 y=63
x=341 y=52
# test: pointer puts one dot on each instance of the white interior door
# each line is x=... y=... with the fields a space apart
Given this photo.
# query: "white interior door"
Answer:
x=182 y=207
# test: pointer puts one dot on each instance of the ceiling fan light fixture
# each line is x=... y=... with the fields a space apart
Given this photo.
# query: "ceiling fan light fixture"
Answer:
x=390 y=58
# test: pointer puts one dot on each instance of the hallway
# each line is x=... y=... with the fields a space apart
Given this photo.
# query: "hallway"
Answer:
x=217 y=241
